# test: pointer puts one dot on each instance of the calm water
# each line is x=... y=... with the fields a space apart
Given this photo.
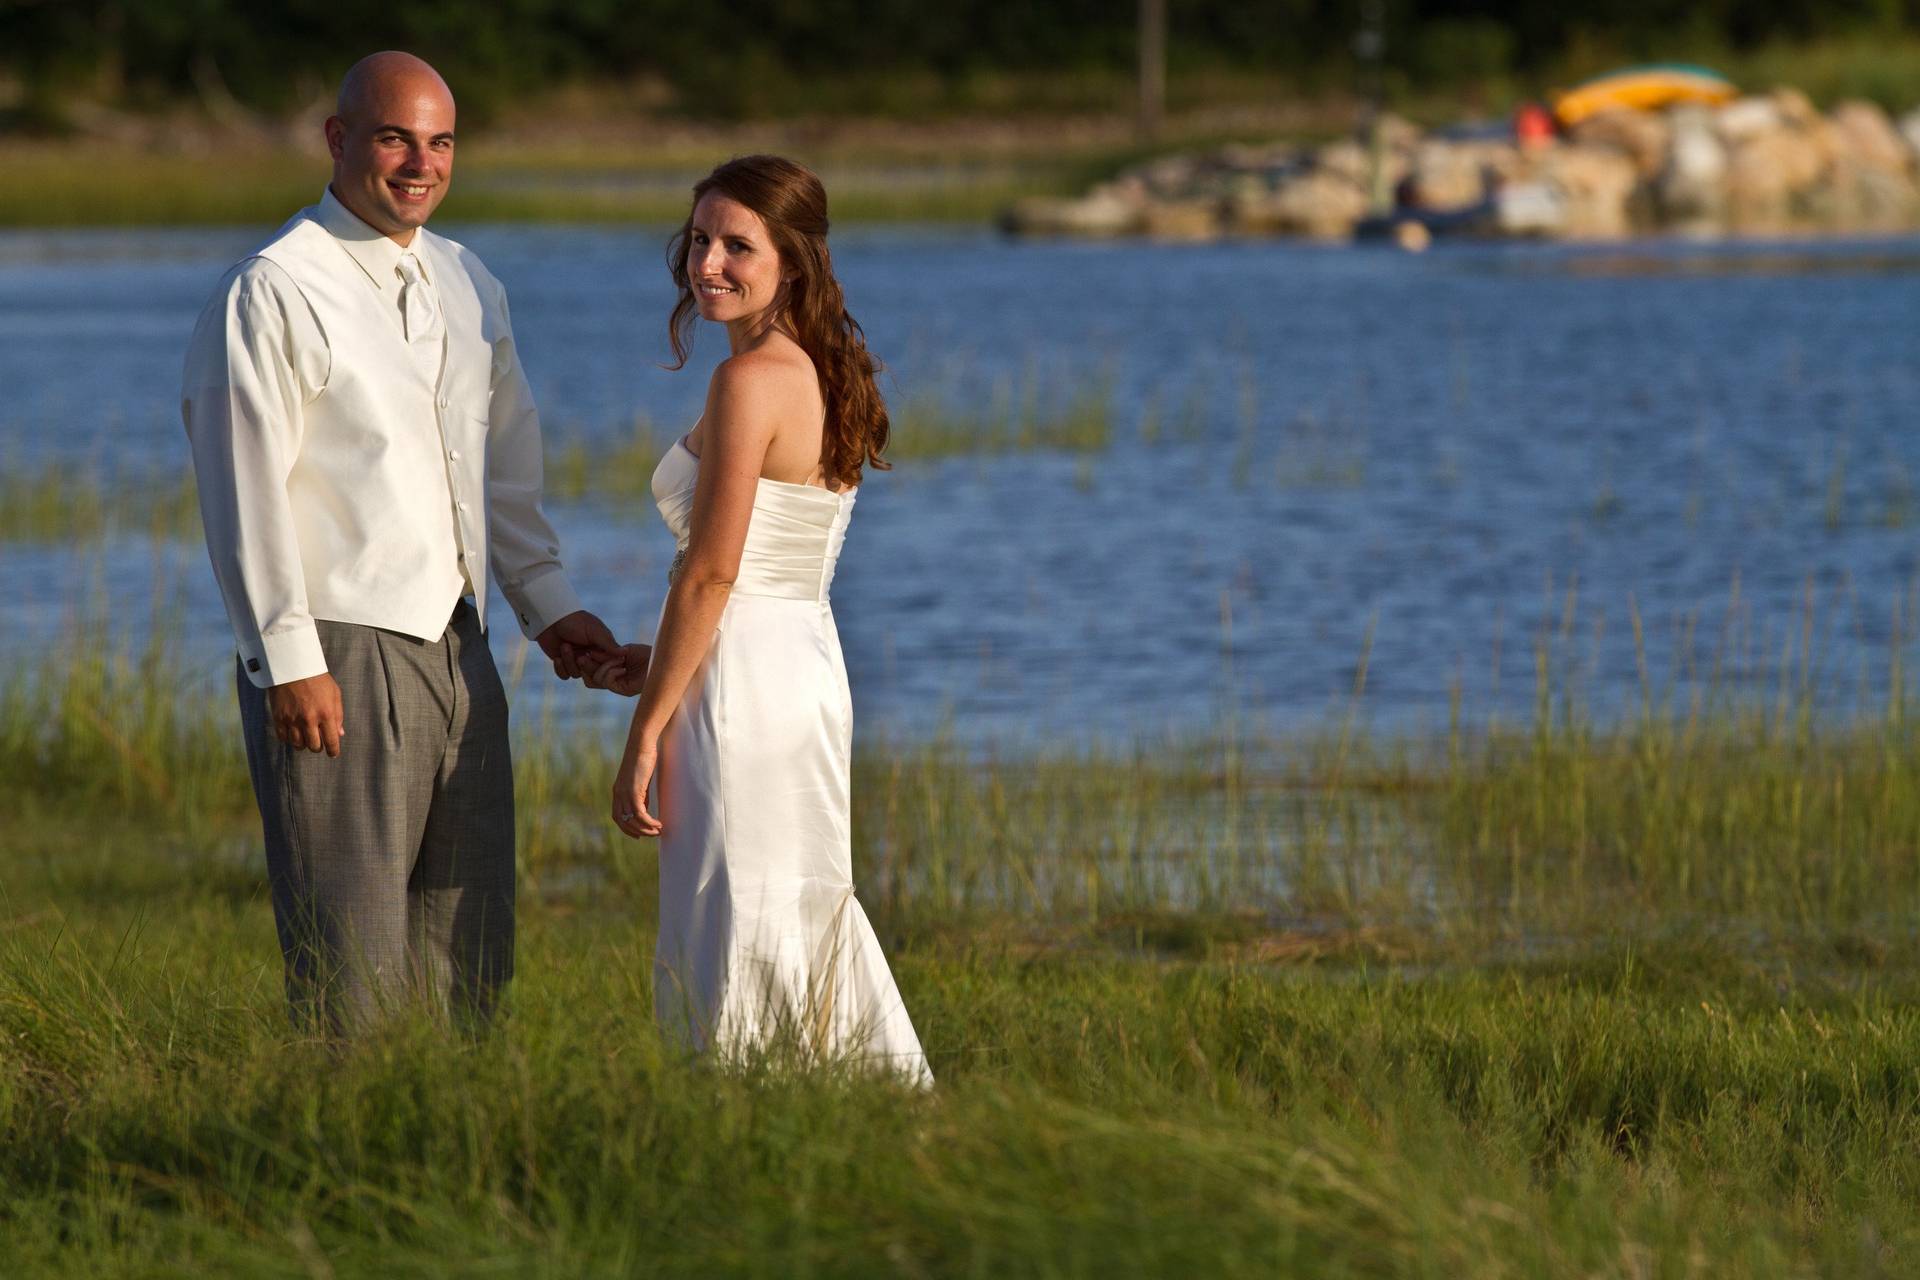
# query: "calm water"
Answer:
x=1323 y=456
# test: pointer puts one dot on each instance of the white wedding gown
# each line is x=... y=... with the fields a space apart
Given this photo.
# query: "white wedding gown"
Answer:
x=761 y=939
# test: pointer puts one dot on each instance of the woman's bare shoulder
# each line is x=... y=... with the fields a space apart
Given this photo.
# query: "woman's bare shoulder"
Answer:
x=758 y=385
x=774 y=361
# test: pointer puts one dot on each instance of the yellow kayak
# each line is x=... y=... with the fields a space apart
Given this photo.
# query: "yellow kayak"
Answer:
x=1643 y=88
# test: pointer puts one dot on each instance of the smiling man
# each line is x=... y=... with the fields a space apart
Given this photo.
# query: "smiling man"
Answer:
x=367 y=449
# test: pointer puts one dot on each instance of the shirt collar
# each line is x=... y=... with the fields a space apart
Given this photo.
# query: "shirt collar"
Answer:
x=377 y=255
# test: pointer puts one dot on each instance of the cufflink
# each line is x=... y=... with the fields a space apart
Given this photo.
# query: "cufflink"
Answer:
x=253 y=664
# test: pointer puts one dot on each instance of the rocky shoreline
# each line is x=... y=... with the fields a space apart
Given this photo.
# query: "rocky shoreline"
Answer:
x=1762 y=164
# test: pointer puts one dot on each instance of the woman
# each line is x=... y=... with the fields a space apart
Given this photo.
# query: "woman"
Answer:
x=745 y=725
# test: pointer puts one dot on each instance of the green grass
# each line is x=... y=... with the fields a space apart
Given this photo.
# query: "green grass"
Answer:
x=1027 y=415
x=103 y=184
x=1757 y=816
x=65 y=502
x=933 y=192
x=1562 y=998
x=1097 y=1115
x=620 y=468
x=98 y=184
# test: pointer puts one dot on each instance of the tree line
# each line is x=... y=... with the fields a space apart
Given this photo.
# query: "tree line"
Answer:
x=729 y=58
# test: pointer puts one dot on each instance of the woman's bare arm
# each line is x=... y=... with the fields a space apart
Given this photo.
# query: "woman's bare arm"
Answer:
x=741 y=418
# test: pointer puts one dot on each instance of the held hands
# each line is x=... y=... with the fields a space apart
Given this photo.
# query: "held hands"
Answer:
x=306 y=714
x=630 y=790
x=581 y=647
x=577 y=644
x=625 y=674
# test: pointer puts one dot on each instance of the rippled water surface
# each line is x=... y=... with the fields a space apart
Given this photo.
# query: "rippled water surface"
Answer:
x=1324 y=461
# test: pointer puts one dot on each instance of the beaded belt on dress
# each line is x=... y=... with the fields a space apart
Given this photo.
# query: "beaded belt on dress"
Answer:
x=679 y=561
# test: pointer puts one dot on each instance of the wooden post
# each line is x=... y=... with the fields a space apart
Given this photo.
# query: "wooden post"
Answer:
x=1369 y=48
x=1153 y=67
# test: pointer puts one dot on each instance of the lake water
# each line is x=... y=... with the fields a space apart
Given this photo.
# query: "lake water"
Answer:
x=1432 y=465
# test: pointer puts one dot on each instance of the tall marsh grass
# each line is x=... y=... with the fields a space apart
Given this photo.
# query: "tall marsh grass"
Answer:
x=1094 y=1117
x=1726 y=808
x=67 y=502
x=1023 y=415
x=1560 y=999
x=1748 y=815
x=101 y=183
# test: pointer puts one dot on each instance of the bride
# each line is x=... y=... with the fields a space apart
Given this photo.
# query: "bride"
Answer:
x=744 y=726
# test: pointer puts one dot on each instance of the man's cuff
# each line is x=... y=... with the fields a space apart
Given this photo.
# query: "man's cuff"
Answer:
x=540 y=602
x=283 y=657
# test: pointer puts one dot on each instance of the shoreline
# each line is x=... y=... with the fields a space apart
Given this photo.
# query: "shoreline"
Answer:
x=1716 y=163
x=1280 y=166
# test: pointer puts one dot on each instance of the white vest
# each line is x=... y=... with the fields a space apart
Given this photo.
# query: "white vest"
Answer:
x=412 y=455
x=339 y=479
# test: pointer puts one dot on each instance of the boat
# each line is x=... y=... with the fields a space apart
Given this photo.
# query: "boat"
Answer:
x=1643 y=88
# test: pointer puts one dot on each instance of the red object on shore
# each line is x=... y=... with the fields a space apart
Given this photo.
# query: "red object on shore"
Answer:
x=1533 y=125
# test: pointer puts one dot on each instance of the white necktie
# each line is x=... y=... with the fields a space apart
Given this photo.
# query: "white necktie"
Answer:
x=420 y=313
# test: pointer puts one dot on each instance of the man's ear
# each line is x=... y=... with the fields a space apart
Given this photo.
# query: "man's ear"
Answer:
x=336 y=133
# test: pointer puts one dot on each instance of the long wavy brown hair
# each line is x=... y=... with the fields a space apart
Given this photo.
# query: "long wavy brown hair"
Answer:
x=793 y=204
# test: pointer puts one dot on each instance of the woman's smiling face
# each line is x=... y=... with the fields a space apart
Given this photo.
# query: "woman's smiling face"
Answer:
x=732 y=266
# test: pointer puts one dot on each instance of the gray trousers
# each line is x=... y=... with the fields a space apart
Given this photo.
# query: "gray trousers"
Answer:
x=392 y=865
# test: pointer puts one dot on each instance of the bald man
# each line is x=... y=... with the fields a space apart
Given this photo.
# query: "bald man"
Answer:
x=368 y=452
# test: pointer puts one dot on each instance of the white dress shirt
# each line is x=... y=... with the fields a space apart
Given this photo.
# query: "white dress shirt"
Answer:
x=339 y=477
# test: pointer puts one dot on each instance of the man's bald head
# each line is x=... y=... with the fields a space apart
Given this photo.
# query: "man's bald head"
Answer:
x=379 y=77
x=391 y=139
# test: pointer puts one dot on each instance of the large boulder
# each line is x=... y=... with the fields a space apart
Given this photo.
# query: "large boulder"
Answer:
x=1531 y=208
x=1129 y=187
x=1355 y=162
x=1796 y=109
x=1780 y=153
x=1865 y=138
x=1319 y=202
x=1909 y=127
x=1189 y=219
x=1643 y=136
x=1773 y=179
x=1098 y=213
x=1862 y=199
x=1396 y=133
x=1690 y=191
x=1745 y=118
x=1764 y=175
x=1870 y=185
x=1171 y=176
x=1449 y=174
x=1595 y=184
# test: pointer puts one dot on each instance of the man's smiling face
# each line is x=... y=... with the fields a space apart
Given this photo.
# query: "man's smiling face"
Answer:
x=392 y=146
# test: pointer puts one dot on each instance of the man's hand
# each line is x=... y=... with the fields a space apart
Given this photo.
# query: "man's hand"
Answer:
x=625 y=675
x=307 y=713
x=577 y=644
